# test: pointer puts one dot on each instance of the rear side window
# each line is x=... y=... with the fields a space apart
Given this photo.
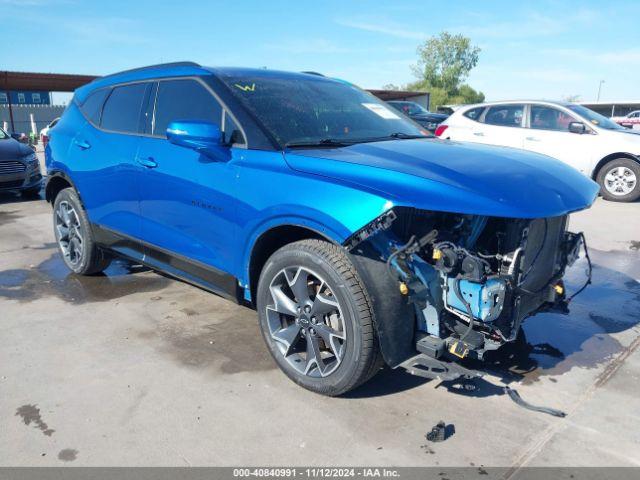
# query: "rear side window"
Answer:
x=474 y=113
x=505 y=115
x=121 y=113
x=92 y=106
x=184 y=100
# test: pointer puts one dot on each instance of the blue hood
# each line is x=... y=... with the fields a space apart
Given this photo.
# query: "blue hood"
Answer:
x=455 y=177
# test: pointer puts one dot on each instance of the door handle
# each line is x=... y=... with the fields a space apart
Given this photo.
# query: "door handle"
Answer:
x=148 y=162
x=82 y=144
x=478 y=134
x=532 y=139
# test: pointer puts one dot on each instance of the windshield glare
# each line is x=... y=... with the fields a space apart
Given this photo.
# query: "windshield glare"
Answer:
x=3 y=134
x=594 y=118
x=300 y=110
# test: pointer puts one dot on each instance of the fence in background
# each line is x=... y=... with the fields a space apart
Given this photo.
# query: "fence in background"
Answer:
x=42 y=116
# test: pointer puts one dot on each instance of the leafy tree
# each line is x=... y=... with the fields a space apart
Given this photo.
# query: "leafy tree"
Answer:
x=444 y=63
x=571 y=98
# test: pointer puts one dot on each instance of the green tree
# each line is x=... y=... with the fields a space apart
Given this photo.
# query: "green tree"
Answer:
x=444 y=63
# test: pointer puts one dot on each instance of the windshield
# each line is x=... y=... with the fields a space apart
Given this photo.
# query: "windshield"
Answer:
x=3 y=134
x=594 y=118
x=410 y=108
x=318 y=110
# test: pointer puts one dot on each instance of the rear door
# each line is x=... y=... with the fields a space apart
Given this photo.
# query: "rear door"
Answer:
x=187 y=200
x=502 y=125
x=103 y=154
x=549 y=134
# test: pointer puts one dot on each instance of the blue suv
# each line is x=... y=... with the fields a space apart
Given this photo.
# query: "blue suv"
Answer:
x=359 y=238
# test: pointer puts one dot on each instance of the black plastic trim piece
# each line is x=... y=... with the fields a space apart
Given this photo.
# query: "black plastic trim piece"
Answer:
x=170 y=263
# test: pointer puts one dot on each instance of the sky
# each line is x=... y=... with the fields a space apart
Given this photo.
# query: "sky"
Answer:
x=547 y=49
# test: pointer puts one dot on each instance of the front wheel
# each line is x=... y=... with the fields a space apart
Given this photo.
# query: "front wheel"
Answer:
x=316 y=319
x=74 y=236
x=620 y=180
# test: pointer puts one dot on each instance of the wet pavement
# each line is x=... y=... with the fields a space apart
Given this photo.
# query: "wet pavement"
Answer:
x=134 y=368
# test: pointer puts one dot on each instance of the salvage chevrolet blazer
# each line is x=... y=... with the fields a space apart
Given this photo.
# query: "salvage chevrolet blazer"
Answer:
x=359 y=238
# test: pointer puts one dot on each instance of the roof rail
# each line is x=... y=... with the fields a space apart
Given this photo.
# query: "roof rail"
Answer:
x=314 y=73
x=153 y=67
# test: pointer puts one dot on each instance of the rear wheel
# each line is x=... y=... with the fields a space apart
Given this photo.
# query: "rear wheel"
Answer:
x=620 y=180
x=74 y=236
x=316 y=319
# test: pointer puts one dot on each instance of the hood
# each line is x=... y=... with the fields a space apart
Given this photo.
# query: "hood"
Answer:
x=628 y=134
x=430 y=117
x=441 y=175
x=11 y=149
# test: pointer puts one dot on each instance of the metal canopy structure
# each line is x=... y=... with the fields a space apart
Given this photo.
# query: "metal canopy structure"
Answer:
x=50 y=82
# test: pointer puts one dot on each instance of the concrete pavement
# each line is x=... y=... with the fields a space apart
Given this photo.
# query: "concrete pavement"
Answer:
x=136 y=369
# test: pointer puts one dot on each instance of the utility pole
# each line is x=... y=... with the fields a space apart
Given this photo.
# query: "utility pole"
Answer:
x=599 y=90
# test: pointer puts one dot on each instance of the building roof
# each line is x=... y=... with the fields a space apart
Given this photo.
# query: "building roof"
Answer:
x=387 y=95
x=49 y=82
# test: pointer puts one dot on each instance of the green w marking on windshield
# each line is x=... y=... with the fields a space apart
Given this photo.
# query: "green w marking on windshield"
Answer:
x=246 y=88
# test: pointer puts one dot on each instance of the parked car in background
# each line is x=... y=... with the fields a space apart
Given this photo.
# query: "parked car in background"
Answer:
x=419 y=114
x=19 y=166
x=44 y=133
x=358 y=238
x=631 y=120
x=589 y=142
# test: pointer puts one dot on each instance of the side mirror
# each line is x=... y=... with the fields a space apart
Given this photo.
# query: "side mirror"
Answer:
x=203 y=137
x=577 y=127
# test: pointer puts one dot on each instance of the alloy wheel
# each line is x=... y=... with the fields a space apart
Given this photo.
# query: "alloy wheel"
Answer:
x=620 y=181
x=306 y=322
x=69 y=233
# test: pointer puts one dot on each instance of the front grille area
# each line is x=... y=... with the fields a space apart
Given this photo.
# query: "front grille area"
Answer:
x=11 y=166
x=12 y=184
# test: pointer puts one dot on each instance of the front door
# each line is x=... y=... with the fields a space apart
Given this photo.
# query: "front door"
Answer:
x=187 y=200
x=549 y=134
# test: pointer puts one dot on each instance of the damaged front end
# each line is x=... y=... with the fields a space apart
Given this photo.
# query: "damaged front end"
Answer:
x=448 y=286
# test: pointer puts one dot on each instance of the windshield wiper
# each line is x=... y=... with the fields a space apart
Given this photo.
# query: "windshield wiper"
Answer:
x=325 y=142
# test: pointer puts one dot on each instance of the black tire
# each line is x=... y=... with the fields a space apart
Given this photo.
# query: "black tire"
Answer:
x=91 y=259
x=361 y=358
x=624 y=164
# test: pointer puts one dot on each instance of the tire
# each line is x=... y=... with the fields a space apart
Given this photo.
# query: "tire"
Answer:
x=616 y=177
x=74 y=236
x=343 y=331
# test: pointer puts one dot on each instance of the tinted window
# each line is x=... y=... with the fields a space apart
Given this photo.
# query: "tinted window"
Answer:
x=92 y=106
x=474 y=113
x=121 y=113
x=547 y=118
x=184 y=100
x=505 y=115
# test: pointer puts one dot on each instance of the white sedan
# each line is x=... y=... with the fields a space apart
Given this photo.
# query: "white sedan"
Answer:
x=589 y=142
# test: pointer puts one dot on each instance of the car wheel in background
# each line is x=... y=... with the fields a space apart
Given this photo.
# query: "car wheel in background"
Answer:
x=74 y=237
x=620 y=180
x=316 y=319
